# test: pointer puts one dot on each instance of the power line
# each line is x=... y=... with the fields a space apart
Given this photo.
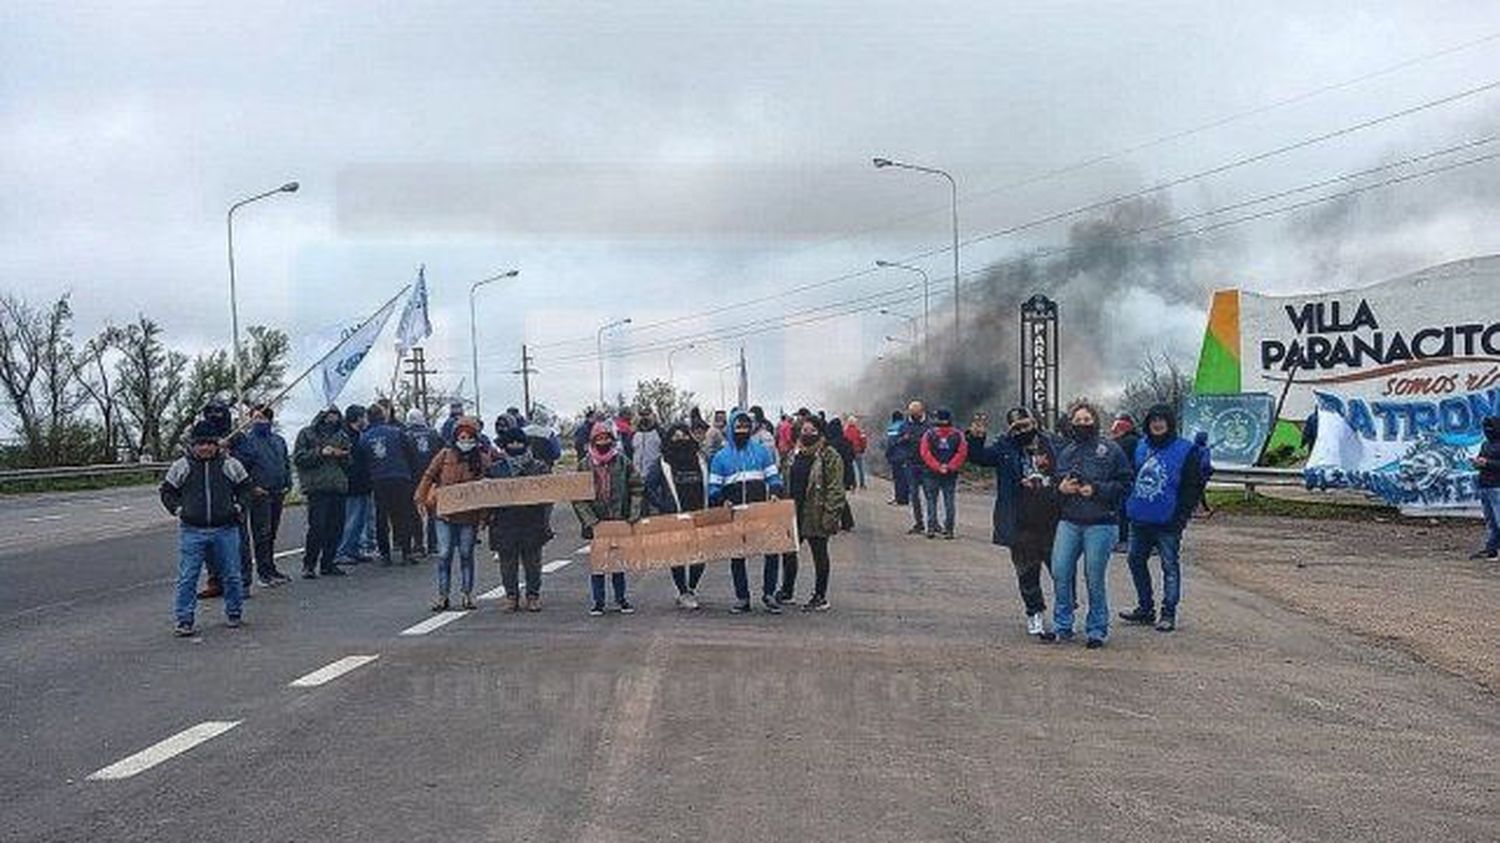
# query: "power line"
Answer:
x=864 y=303
x=1081 y=209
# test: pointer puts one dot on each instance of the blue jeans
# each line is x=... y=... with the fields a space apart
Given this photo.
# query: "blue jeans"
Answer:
x=596 y=586
x=357 y=511
x=902 y=480
x=914 y=472
x=455 y=539
x=1167 y=542
x=193 y=544
x=770 y=575
x=932 y=484
x=1489 y=501
x=859 y=471
x=1093 y=542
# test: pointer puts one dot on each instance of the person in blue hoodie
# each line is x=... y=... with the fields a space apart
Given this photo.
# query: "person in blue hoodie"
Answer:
x=427 y=443
x=897 y=454
x=264 y=454
x=392 y=459
x=744 y=471
x=358 y=502
x=1168 y=483
x=1094 y=477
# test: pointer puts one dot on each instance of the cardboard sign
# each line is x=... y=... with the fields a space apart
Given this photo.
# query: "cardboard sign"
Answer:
x=515 y=491
x=667 y=540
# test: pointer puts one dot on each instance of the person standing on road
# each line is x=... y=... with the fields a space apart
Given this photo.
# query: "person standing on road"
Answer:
x=264 y=454
x=677 y=483
x=944 y=452
x=207 y=490
x=426 y=442
x=359 y=502
x=715 y=438
x=744 y=471
x=321 y=455
x=618 y=496
x=392 y=458
x=518 y=533
x=455 y=414
x=814 y=473
x=1125 y=435
x=462 y=462
x=913 y=428
x=1026 y=503
x=896 y=456
x=1488 y=463
x=859 y=442
x=646 y=449
x=1168 y=485
x=1094 y=478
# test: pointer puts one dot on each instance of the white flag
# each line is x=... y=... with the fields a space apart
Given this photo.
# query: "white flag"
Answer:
x=346 y=357
x=414 y=326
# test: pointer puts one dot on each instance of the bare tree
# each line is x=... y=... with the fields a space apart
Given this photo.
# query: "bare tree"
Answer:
x=150 y=383
x=37 y=373
x=665 y=400
x=1159 y=380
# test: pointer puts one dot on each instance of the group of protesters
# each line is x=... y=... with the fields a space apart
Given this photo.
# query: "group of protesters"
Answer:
x=1079 y=494
x=370 y=486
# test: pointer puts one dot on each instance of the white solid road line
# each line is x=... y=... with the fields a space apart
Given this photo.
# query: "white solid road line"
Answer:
x=157 y=753
x=556 y=565
x=493 y=594
x=282 y=554
x=438 y=620
x=333 y=671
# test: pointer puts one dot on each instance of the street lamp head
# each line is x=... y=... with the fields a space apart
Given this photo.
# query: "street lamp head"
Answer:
x=882 y=162
x=290 y=187
x=883 y=263
x=511 y=274
x=625 y=321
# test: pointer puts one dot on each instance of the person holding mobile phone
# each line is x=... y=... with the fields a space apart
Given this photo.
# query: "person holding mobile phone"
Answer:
x=1096 y=477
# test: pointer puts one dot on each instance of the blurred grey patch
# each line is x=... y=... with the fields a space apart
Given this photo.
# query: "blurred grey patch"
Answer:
x=631 y=200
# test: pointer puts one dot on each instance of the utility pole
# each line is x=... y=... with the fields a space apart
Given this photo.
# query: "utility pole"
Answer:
x=525 y=372
x=417 y=369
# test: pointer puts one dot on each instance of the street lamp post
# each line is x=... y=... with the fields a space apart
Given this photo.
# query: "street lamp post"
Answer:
x=234 y=308
x=911 y=322
x=670 y=378
x=722 y=369
x=474 y=328
x=599 y=344
x=953 y=186
x=926 y=298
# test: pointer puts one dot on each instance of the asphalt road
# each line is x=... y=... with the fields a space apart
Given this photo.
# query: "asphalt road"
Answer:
x=916 y=710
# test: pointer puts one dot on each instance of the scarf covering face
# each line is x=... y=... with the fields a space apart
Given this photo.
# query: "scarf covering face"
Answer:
x=601 y=461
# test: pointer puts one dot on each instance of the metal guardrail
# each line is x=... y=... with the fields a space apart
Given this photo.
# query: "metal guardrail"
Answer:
x=63 y=472
x=1253 y=476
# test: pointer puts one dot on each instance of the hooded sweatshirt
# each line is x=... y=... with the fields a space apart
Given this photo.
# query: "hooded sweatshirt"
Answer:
x=1489 y=476
x=743 y=473
x=317 y=473
x=1101 y=464
x=1168 y=479
x=678 y=481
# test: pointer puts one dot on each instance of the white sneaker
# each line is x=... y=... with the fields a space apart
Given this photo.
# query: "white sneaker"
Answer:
x=687 y=601
x=1034 y=625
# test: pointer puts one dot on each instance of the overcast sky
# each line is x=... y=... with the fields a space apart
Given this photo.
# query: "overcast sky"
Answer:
x=657 y=160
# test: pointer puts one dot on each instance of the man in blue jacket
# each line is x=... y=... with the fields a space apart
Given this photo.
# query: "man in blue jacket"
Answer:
x=897 y=454
x=358 y=505
x=264 y=454
x=1168 y=483
x=910 y=440
x=391 y=456
x=744 y=471
x=427 y=443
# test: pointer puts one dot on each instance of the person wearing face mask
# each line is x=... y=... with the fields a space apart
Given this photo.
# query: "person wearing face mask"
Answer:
x=815 y=478
x=678 y=482
x=1094 y=477
x=1168 y=484
x=321 y=455
x=264 y=454
x=1026 y=503
x=391 y=456
x=462 y=462
x=426 y=442
x=744 y=471
x=646 y=448
x=618 y=494
x=943 y=451
x=518 y=533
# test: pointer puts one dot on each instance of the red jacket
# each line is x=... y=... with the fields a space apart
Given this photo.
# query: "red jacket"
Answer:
x=944 y=446
x=857 y=439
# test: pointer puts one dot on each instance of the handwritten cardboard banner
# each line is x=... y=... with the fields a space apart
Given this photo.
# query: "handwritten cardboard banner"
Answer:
x=667 y=540
x=515 y=491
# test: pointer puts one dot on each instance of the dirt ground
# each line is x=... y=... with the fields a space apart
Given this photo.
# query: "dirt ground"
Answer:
x=1407 y=584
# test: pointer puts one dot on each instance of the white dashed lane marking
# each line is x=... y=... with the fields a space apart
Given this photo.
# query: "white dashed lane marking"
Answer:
x=437 y=621
x=328 y=673
x=282 y=554
x=493 y=594
x=583 y=550
x=157 y=753
x=556 y=565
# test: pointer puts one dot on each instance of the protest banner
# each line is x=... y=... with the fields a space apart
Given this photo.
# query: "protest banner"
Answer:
x=667 y=540
x=515 y=491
